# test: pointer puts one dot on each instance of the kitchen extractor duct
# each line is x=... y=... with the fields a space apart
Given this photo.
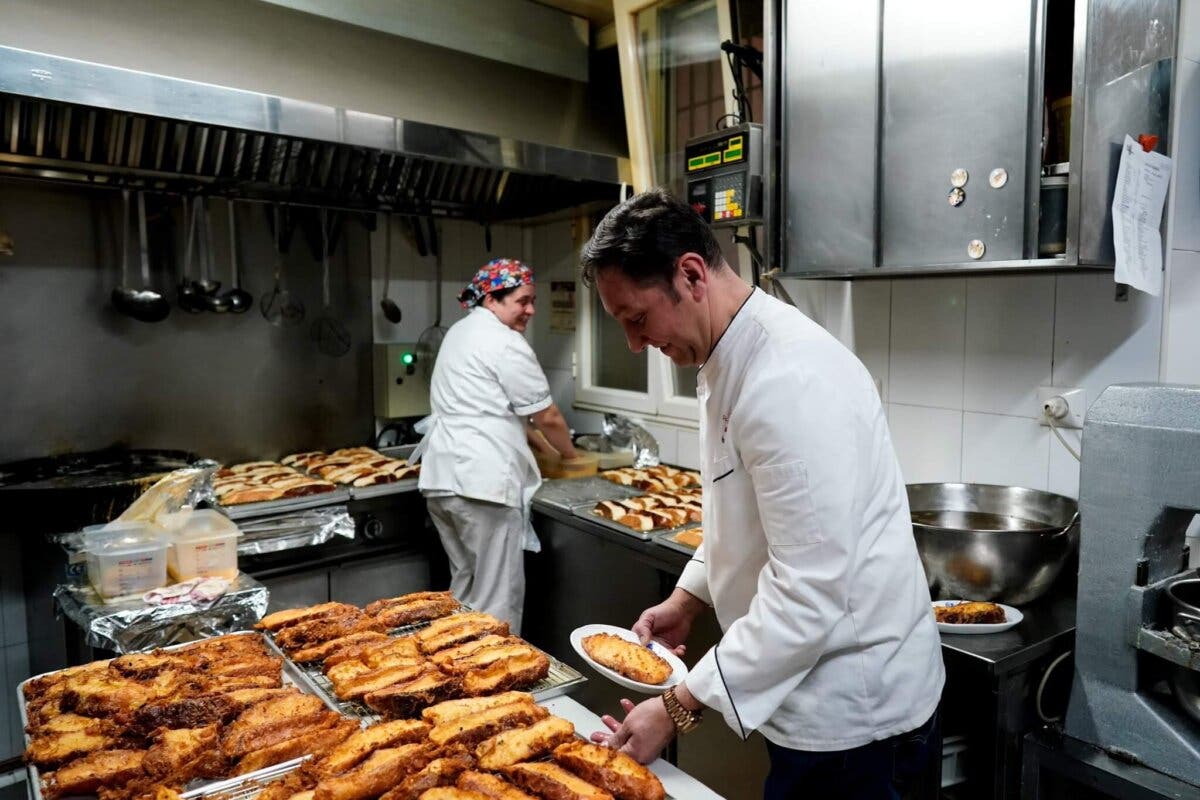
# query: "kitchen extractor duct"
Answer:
x=68 y=120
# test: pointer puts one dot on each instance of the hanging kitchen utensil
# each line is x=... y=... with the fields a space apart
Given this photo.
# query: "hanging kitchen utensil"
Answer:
x=145 y=304
x=239 y=300
x=487 y=236
x=209 y=298
x=430 y=341
x=418 y=236
x=391 y=310
x=205 y=285
x=189 y=294
x=279 y=306
x=330 y=334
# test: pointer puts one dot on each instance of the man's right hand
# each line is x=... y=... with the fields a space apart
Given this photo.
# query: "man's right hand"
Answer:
x=670 y=621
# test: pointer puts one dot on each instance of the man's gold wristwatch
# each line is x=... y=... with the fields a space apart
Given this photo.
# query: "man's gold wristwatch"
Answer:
x=685 y=721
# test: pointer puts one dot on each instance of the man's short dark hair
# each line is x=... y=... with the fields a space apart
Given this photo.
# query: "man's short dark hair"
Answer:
x=644 y=238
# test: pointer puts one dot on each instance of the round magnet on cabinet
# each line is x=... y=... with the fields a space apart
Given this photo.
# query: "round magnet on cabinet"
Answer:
x=956 y=197
x=998 y=177
x=976 y=248
x=959 y=178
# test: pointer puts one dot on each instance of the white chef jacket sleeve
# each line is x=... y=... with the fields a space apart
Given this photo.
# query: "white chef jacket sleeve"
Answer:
x=694 y=578
x=522 y=379
x=798 y=437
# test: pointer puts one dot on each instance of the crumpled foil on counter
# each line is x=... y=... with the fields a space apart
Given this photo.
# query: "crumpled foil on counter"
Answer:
x=624 y=432
x=294 y=529
x=131 y=625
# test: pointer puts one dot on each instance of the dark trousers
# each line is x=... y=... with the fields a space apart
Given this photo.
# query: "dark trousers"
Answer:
x=883 y=770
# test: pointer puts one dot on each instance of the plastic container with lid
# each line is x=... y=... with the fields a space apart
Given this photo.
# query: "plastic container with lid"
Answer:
x=203 y=545
x=125 y=558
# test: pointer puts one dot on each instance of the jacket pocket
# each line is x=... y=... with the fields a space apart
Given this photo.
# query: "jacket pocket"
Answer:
x=785 y=504
x=721 y=466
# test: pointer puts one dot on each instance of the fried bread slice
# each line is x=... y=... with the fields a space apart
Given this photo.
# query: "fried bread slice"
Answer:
x=524 y=744
x=293 y=616
x=362 y=743
x=630 y=659
x=491 y=786
x=469 y=626
x=381 y=771
x=512 y=647
x=86 y=775
x=438 y=772
x=320 y=652
x=408 y=699
x=315 y=740
x=511 y=673
x=378 y=679
x=474 y=728
x=611 y=770
x=451 y=710
x=552 y=782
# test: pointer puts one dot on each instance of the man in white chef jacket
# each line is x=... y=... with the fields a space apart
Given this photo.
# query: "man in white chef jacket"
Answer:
x=829 y=648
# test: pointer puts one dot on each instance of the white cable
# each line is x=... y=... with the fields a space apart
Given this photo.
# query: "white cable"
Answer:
x=1054 y=428
x=1046 y=675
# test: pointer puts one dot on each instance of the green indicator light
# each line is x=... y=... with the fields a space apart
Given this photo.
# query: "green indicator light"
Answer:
x=407 y=359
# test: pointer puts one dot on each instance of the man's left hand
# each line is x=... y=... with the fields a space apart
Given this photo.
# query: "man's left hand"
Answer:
x=645 y=732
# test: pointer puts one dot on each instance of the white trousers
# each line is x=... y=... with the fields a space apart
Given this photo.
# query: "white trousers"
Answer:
x=487 y=563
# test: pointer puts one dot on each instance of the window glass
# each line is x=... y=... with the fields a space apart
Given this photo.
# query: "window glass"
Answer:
x=613 y=365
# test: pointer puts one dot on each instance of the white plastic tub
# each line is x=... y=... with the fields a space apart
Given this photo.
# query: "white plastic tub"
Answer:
x=203 y=545
x=125 y=558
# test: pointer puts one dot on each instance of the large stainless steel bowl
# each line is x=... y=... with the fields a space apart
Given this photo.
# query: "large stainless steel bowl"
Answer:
x=999 y=543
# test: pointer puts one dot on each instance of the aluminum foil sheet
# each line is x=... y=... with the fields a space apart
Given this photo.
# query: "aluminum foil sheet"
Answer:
x=131 y=625
x=288 y=531
x=623 y=432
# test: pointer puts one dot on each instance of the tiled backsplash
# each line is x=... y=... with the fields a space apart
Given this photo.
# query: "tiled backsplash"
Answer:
x=960 y=360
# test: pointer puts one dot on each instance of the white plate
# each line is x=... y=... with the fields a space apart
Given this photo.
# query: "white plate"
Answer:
x=1011 y=617
x=678 y=670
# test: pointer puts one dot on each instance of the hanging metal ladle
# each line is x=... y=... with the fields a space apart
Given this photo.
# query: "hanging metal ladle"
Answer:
x=145 y=304
x=239 y=300
x=390 y=308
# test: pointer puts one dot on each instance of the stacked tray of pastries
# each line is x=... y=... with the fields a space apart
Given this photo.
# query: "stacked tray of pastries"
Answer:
x=652 y=512
x=505 y=747
x=124 y=728
x=653 y=479
x=262 y=481
x=399 y=655
x=353 y=466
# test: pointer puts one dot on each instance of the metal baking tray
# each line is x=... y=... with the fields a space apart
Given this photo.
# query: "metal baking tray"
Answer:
x=561 y=679
x=565 y=493
x=666 y=541
x=585 y=511
x=383 y=489
x=244 y=787
x=291 y=674
x=244 y=510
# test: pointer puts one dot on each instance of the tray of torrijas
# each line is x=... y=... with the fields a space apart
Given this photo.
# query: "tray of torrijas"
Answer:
x=653 y=479
x=176 y=718
x=364 y=470
x=398 y=655
x=645 y=515
x=504 y=746
x=682 y=541
x=256 y=488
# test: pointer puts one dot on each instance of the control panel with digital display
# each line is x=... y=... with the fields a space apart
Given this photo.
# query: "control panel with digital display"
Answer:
x=724 y=175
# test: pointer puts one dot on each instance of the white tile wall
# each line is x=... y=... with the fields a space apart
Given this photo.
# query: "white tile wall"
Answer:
x=1185 y=235
x=1099 y=341
x=1181 y=336
x=1010 y=451
x=928 y=442
x=859 y=315
x=928 y=326
x=1009 y=343
x=688 y=448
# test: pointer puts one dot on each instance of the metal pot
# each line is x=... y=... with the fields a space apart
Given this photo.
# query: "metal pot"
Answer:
x=984 y=542
x=1184 y=599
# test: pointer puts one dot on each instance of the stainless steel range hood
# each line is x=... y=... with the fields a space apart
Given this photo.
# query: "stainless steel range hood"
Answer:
x=68 y=120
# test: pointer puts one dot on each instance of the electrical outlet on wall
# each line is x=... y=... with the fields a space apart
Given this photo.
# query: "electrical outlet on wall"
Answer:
x=1066 y=404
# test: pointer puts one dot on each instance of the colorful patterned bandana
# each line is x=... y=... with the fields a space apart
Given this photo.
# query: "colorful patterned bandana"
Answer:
x=497 y=274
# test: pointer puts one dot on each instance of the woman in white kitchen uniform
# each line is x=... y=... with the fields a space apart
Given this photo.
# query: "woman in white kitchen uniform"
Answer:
x=829 y=646
x=478 y=474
